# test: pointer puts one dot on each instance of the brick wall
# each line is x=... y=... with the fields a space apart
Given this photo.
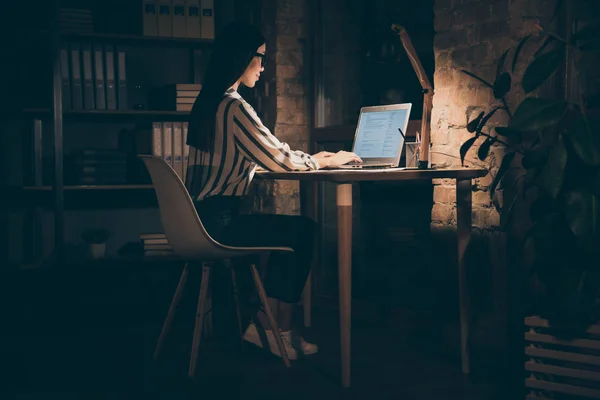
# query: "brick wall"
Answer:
x=283 y=102
x=473 y=35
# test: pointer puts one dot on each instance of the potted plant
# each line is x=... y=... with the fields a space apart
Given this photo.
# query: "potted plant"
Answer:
x=96 y=240
x=550 y=167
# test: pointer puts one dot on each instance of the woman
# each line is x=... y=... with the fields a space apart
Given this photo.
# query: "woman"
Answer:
x=227 y=143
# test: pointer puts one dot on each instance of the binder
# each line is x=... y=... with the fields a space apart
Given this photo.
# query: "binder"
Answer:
x=192 y=22
x=64 y=76
x=186 y=150
x=111 y=90
x=168 y=142
x=207 y=19
x=100 y=87
x=178 y=148
x=157 y=139
x=150 y=18
x=88 y=80
x=165 y=23
x=179 y=29
x=121 y=79
x=76 y=85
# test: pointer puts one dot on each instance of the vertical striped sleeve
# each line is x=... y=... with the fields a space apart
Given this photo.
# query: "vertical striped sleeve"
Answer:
x=260 y=146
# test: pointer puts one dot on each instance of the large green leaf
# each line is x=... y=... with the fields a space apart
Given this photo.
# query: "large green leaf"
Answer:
x=546 y=43
x=465 y=148
x=485 y=119
x=534 y=114
x=583 y=140
x=484 y=149
x=518 y=52
x=541 y=68
x=500 y=65
x=552 y=175
x=588 y=34
x=472 y=125
x=506 y=131
x=504 y=166
x=582 y=210
x=534 y=157
x=502 y=85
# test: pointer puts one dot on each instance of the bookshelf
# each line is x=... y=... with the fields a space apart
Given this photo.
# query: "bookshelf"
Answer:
x=99 y=115
x=151 y=62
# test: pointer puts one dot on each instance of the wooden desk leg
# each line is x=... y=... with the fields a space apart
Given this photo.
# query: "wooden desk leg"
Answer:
x=344 y=209
x=306 y=301
x=463 y=230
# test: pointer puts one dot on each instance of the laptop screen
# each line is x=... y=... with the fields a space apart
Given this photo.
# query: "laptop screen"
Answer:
x=378 y=133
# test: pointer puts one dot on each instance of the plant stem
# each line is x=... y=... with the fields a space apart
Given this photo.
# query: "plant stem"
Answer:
x=506 y=107
x=497 y=140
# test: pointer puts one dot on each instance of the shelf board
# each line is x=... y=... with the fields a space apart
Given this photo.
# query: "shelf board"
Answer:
x=107 y=115
x=89 y=187
x=83 y=196
x=135 y=39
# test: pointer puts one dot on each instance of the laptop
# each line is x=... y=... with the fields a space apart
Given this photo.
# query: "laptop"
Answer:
x=379 y=137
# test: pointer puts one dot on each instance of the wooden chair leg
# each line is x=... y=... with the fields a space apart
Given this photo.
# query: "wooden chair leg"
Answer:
x=272 y=322
x=199 y=318
x=167 y=324
x=237 y=302
x=208 y=314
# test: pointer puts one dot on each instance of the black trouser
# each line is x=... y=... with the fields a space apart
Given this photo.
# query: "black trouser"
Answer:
x=286 y=271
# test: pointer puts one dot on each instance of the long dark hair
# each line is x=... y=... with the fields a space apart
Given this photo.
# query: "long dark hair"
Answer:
x=232 y=51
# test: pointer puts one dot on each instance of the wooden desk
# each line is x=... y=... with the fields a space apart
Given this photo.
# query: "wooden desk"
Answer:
x=344 y=180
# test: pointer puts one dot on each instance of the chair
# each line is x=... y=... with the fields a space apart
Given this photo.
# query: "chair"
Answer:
x=190 y=241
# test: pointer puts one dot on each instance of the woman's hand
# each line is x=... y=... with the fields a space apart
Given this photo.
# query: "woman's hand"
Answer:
x=338 y=159
x=323 y=154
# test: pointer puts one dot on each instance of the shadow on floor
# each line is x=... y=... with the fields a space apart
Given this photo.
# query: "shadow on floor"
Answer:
x=91 y=336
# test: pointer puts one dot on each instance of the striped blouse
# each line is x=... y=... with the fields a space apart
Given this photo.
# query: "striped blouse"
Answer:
x=241 y=144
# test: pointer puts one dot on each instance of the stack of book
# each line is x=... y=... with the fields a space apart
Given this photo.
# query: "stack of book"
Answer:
x=155 y=244
x=177 y=96
x=97 y=167
x=76 y=20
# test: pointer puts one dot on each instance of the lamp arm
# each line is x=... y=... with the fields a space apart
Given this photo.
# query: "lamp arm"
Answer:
x=427 y=94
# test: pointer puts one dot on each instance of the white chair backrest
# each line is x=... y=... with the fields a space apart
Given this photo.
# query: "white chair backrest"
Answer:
x=184 y=230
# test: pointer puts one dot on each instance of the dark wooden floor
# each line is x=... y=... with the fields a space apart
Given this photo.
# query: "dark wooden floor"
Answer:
x=90 y=334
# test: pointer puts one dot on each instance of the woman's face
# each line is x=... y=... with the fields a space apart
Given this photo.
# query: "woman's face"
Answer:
x=252 y=73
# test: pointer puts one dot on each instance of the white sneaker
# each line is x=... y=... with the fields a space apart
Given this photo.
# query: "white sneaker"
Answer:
x=266 y=339
x=298 y=343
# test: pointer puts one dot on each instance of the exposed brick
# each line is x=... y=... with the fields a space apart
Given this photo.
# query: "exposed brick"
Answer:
x=285 y=187
x=292 y=29
x=443 y=60
x=450 y=39
x=472 y=54
x=490 y=30
x=500 y=10
x=485 y=218
x=444 y=194
x=443 y=78
x=441 y=212
x=481 y=198
x=443 y=20
x=474 y=13
x=287 y=71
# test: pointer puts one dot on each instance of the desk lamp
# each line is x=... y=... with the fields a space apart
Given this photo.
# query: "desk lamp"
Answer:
x=427 y=95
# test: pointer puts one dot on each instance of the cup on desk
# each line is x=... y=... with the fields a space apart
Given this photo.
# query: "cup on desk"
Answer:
x=412 y=155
